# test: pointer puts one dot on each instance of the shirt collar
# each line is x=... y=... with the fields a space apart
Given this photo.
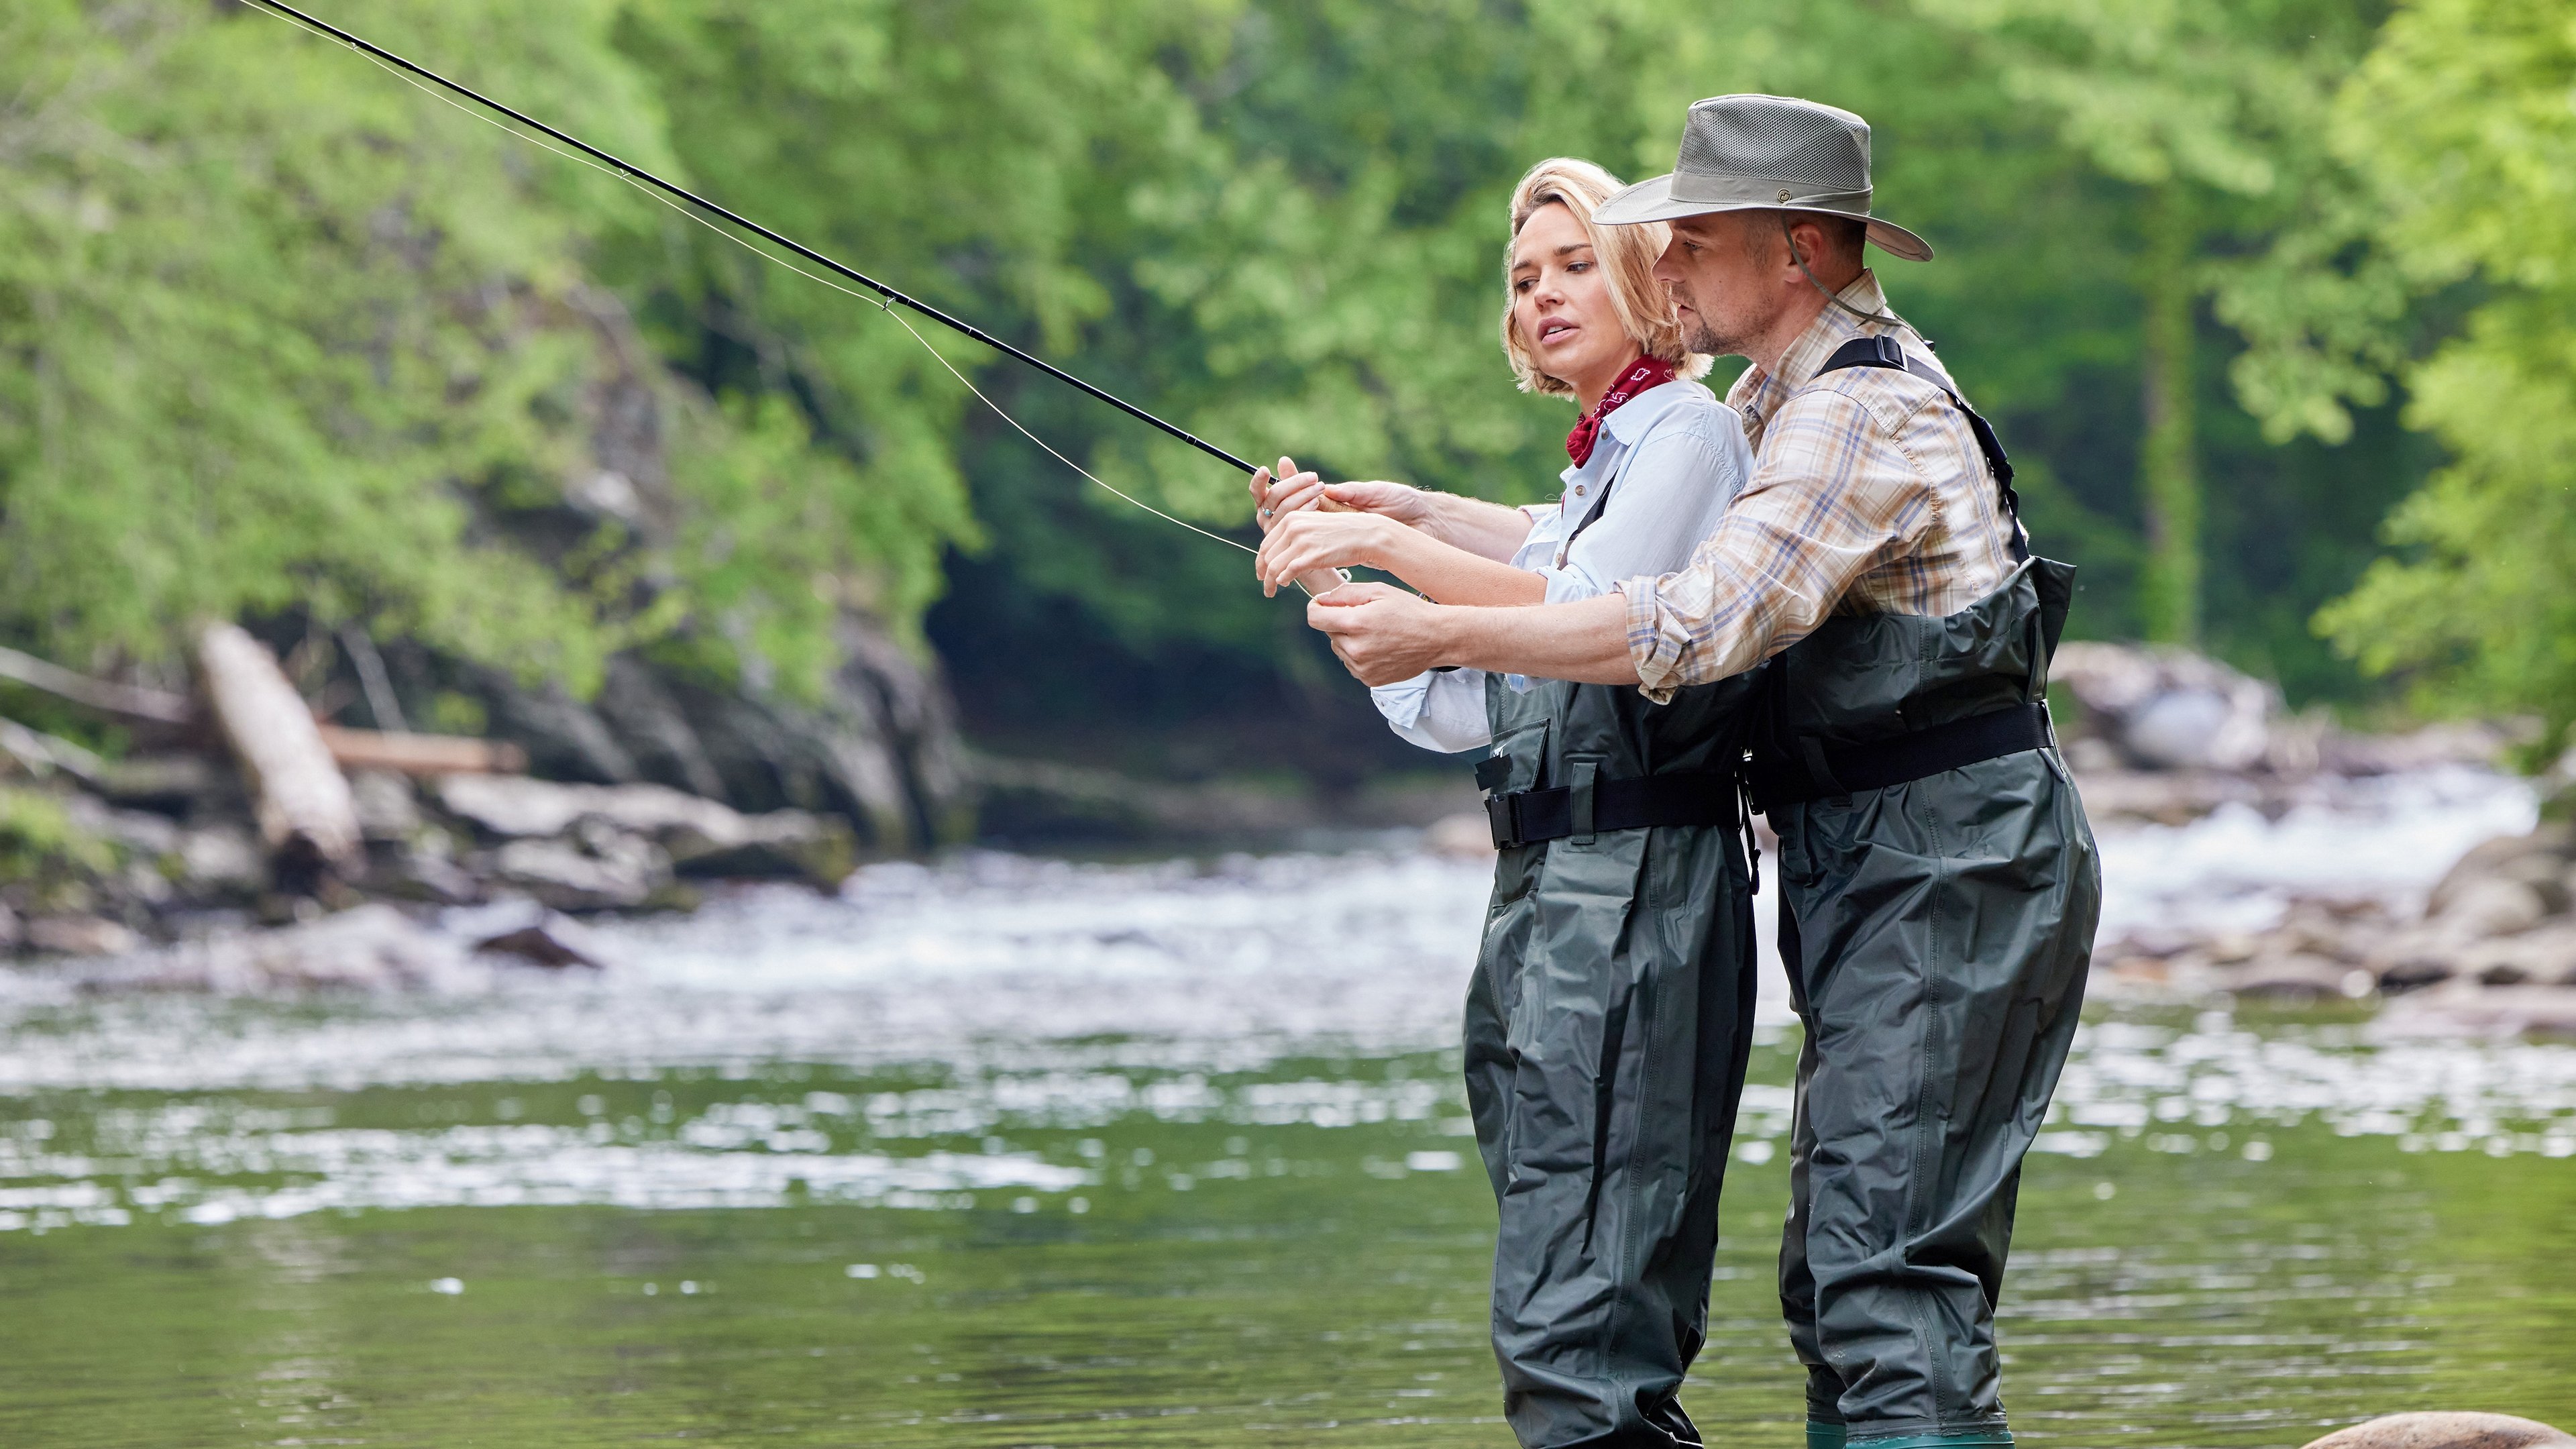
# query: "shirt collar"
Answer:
x=1647 y=408
x=1626 y=426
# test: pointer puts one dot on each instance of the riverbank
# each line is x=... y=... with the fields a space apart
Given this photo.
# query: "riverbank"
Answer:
x=2248 y=854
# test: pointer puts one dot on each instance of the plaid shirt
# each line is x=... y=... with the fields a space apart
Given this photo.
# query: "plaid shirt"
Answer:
x=1868 y=496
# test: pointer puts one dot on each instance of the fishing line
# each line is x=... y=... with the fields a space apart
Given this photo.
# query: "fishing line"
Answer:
x=653 y=186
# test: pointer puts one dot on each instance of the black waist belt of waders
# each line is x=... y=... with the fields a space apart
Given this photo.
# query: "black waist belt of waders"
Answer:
x=1829 y=770
x=1527 y=817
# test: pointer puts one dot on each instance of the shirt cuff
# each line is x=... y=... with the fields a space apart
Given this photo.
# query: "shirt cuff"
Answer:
x=1656 y=649
x=1402 y=701
x=1569 y=584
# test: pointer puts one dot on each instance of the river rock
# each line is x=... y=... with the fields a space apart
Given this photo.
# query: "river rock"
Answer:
x=2169 y=709
x=781 y=845
x=425 y=869
x=2494 y=905
x=702 y=838
x=221 y=861
x=2539 y=859
x=2446 y=1431
x=2299 y=977
x=514 y=806
x=80 y=935
x=555 y=941
x=388 y=809
x=2542 y=956
x=2464 y=1008
x=567 y=877
x=369 y=948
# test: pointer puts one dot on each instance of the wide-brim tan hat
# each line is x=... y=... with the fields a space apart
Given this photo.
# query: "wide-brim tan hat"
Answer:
x=1766 y=153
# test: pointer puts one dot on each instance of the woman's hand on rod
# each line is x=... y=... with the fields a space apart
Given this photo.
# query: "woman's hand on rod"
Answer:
x=1272 y=501
x=1302 y=542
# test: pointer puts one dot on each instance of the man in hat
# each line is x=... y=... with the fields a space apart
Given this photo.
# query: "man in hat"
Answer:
x=1939 y=885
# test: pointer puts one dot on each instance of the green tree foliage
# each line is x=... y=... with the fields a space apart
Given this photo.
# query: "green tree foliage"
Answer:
x=2210 y=116
x=2464 y=117
x=288 y=336
x=285 y=334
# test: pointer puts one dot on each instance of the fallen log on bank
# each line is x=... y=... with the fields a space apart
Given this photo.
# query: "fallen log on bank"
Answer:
x=301 y=800
x=421 y=755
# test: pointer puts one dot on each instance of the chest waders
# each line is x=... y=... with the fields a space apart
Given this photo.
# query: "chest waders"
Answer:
x=1938 y=893
x=1606 y=1034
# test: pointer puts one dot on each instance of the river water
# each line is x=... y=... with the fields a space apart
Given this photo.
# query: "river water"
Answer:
x=1010 y=1151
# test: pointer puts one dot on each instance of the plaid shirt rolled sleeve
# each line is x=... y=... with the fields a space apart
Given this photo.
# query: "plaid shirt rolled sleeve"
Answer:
x=1783 y=556
x=1869 y=495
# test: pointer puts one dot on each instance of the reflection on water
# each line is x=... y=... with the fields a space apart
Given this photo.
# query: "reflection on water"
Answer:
x=1011 y=1152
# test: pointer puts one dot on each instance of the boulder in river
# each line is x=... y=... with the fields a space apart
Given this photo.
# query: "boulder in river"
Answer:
x=2170 y=709
x=554 y=942
x=616 y=872
x=370 y=948
x=698 y=836
x=2446 y=1431
x=80 y=935
x=2465 y=1007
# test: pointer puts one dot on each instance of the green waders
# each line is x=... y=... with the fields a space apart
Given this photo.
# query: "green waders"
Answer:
x=1606 y=1034
x=1938 y=893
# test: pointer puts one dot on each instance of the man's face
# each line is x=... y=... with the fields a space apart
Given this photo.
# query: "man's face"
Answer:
x=1719 y=269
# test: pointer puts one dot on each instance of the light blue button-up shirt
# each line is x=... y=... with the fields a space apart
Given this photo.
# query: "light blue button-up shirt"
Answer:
x=1678 y=457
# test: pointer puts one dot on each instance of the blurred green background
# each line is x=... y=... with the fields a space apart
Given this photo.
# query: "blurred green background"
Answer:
x=2268 y=296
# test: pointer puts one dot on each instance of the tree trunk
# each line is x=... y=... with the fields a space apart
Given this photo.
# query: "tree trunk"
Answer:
x=2168 y=459
x=301 y=800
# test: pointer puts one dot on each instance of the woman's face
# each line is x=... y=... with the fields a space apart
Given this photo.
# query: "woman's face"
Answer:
x=1561 y=303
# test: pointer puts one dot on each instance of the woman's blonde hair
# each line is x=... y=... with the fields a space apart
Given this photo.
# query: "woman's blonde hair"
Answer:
x=1627 y=257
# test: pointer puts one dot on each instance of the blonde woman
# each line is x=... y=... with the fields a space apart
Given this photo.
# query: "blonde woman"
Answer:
x=1610 y=1015
x=1585 y=319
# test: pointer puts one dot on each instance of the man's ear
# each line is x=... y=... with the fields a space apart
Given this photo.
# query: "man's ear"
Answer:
x=1805 y=241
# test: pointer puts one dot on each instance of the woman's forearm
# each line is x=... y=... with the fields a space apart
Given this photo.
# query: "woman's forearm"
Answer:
x=1487 y=530
x=1454 y=575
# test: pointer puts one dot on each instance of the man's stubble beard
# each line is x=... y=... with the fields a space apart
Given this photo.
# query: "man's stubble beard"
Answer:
x=1709 y=335
x=1705 y=337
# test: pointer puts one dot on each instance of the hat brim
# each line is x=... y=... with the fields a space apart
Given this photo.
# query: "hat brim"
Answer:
x=1654 y=201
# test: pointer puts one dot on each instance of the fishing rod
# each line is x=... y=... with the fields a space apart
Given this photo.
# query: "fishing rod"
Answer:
x=887 y=296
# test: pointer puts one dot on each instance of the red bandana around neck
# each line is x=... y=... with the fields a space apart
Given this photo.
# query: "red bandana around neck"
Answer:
x=1644 y=373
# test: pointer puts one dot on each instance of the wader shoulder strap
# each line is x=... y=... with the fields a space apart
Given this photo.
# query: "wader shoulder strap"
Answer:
x=1888 y=353
x=1528 y=816
x=1600 y=505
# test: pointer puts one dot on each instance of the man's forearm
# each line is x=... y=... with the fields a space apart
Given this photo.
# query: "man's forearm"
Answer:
x=1585 y=641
